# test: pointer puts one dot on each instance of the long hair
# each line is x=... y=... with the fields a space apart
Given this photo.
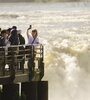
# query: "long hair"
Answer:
x=35 y=31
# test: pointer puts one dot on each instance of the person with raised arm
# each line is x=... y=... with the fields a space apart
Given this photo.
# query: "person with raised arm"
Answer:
x=33 y=38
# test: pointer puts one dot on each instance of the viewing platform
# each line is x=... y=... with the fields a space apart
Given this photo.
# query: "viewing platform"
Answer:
x=21 y=63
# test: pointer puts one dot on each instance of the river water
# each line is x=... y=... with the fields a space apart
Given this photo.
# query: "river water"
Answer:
x=64 y=30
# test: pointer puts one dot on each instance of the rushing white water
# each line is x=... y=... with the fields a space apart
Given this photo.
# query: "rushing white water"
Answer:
x=64 y=29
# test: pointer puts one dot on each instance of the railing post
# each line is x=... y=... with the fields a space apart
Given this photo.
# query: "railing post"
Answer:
x=11 y=66
x=4 y=63
x=31 y=64
x=40 y=62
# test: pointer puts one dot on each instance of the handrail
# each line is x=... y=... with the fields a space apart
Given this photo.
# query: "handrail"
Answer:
x=19 y=54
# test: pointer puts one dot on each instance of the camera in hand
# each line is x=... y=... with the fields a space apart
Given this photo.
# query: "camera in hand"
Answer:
x=30 y=27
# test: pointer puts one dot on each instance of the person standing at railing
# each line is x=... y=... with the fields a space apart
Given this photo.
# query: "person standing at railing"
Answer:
x=7 y=42
x=14 y=37
x=33 y=38
x=21 y=38
x=21 y=50
x=2 y=38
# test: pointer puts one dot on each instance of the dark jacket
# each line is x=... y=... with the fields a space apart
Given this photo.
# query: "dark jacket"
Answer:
x=21 y=39
x=14 y=38
x=2 y=41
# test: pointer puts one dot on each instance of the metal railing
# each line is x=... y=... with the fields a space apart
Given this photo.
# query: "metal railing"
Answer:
x=22 y=59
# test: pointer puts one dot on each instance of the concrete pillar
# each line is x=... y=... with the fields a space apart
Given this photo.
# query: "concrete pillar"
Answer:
x=10 y=92
x=35 y=90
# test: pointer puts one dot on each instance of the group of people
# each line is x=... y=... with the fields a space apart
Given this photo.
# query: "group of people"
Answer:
x=12 y=36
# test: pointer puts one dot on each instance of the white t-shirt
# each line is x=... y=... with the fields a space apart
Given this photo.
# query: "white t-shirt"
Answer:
x=7 y=43
x=30 y=40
